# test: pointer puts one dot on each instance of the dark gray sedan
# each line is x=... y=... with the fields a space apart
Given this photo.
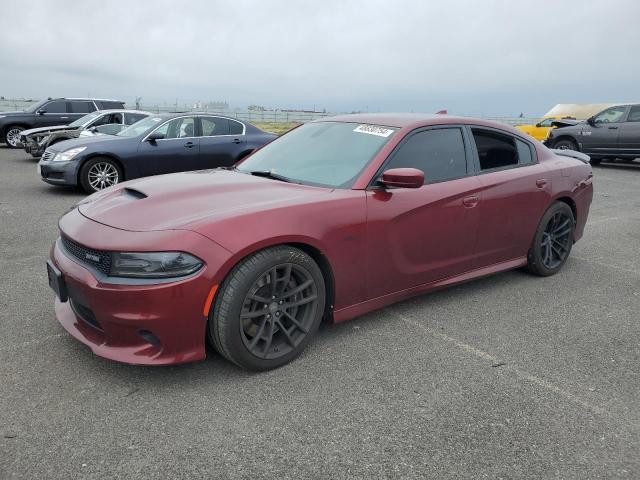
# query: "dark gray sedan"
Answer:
x=156 y=145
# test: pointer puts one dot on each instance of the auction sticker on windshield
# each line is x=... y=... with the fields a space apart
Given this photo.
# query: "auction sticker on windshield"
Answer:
x=373 y=130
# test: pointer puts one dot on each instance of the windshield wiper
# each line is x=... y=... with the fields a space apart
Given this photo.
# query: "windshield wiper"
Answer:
x=270 y=174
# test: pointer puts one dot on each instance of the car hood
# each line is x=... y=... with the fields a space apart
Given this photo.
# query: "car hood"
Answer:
x=55 y=128
x=97 y=142
x=185 y=200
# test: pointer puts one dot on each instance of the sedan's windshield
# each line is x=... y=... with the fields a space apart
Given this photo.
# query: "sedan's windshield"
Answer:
x=140 y=127
x=329 y=154
x=82 y=121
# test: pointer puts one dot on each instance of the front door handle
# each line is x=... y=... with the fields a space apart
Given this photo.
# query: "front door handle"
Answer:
x=189 y=145
x=613 y=128
x=470 y=202
x=541 y=182
x=236 y=140
x=64 y=118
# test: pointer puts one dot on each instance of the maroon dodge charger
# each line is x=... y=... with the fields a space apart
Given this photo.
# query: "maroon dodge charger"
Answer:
x=332 y=220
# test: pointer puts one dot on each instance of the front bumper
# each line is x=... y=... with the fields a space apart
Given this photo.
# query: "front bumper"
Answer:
x=59 y=173
x=142 y=324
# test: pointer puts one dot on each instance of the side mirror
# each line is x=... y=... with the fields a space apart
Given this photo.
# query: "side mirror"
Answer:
x=402 y=178
x=41 y=111
x=155 y=136
x=538 y=124
x=591 y=121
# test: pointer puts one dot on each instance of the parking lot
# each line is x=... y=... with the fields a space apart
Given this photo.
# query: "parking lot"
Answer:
x=511 y=376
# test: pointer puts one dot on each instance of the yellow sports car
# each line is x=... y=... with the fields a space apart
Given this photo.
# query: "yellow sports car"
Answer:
x=539 y=131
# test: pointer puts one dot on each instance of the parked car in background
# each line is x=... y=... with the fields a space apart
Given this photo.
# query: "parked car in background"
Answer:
x=56 y=111
x=334 y=219
x=612 y=133
x=158 y=144
x=36 y=140
x=540 y=131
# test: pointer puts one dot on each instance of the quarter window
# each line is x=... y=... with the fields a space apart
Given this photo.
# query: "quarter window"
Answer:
x=634 y=114
x=439 y=153
x=213 y=126
x=525 y=154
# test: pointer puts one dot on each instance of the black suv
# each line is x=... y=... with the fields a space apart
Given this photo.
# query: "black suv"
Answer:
x=612 y=133
x=54 y=111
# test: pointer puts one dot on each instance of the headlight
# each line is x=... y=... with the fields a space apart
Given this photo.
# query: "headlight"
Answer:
x=68 y=154
x=154 y=264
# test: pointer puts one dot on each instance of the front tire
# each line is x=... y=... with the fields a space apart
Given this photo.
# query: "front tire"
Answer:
x=12 y=136
x=553 y=240
x=268 y=308
x=566 y=144
x=99 y=173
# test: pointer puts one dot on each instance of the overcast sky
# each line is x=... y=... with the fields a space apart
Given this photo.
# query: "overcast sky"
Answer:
x=470 y=57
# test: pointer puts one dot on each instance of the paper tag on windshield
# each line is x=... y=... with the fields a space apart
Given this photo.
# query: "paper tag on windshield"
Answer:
x=373 y=130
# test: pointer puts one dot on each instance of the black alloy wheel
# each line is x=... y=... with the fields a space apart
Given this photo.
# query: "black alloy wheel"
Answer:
x=278 y=311
x=553 y=240
x=268 y=308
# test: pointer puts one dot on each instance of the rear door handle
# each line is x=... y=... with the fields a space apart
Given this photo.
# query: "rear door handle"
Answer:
x=236 y=140
x=189 y=145
x=470 y=202
x=541 y=182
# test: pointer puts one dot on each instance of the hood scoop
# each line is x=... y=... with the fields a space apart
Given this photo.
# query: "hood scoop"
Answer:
x=133 y=193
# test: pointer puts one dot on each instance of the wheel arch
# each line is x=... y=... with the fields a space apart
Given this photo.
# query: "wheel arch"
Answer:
x=102 y=155
x=572 y=205
x=313 y=251
x=13 y=124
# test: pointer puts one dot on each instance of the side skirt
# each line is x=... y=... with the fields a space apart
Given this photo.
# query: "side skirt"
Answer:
x=358 y=309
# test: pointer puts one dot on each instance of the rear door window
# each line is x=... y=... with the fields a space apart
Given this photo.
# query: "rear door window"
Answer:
x=214 y=126
x=81 y=106
x=495 y=150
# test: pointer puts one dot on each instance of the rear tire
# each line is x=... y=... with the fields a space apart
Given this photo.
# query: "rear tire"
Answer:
x=566 y=144
x=268 y=308
x=99 y=173
x=12 y=136
x=553 y=240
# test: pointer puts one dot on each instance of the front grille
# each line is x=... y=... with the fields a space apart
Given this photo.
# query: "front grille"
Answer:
x=48 y=155
x=98 y=259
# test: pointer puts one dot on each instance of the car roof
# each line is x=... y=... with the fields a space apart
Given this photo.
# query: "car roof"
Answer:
x=413 y=120
x=166 y=116
x=121 y=110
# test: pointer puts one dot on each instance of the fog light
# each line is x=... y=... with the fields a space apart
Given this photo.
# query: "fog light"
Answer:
x=149 y=337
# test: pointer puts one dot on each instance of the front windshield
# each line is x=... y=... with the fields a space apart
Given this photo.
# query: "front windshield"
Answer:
x=140 y=127
x=82 y=121
x=36 y=106
x=331 y=154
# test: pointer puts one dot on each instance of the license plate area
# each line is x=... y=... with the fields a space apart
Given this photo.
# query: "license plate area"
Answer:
x=56 y=281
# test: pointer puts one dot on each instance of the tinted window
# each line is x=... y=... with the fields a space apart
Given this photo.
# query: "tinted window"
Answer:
x=546 y=122
x=235 y=128
x=81 y=107
x=610 y=115
x=321 y=153
x=131 y=118
x=58 y=106
x=178 y=128
x=438 y=153
x=495 y=150
x=212 y=126
x=634 y=114
x=525 y=155
x=102 y=105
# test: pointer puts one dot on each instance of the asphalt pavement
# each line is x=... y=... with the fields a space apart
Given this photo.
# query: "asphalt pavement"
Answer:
x=510 y=376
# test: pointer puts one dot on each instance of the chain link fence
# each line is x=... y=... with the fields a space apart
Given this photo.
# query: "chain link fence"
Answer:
x=258 y=116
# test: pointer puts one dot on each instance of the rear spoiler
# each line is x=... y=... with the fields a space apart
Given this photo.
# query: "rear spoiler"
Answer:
x=572 y=154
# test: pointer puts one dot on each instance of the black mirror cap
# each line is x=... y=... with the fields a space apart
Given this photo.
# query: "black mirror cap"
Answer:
x=155 y=136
